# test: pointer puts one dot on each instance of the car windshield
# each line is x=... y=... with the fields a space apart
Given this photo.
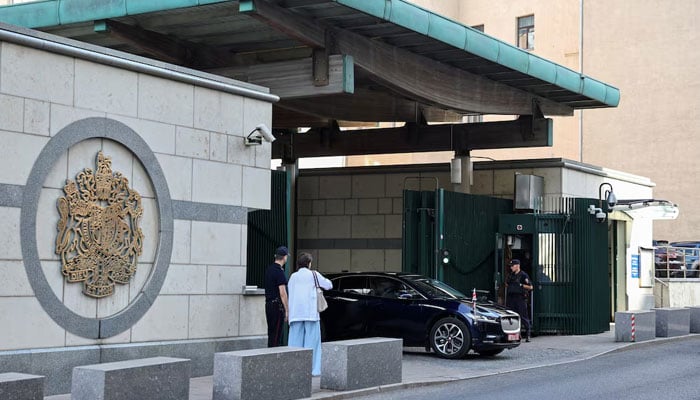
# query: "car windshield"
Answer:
x=435 y=288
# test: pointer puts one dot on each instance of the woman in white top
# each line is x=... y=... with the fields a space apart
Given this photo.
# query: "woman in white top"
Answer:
x=304 y=325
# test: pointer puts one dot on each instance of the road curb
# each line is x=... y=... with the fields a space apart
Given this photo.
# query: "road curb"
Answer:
x=647 y=343
x=438 y=381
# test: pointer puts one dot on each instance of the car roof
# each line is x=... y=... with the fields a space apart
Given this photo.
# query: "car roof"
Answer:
x=392 y=274
x=688 y=243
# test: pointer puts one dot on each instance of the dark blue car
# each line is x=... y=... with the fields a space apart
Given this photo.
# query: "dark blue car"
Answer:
x=423 y=312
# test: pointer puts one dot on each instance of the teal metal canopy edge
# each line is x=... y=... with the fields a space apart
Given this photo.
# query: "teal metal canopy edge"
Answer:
x=478 y=43
x=57 y=12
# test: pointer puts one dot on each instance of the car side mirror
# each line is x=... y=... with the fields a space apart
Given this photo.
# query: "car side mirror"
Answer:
x=405 y=295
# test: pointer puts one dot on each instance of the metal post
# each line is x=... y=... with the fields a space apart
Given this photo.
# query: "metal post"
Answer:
x=439 y=230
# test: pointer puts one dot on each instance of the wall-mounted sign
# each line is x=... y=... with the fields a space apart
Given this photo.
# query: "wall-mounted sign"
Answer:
x=635 y=266
x=99 y=238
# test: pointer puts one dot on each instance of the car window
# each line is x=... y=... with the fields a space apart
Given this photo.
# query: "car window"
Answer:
x=436 y=288
x=352 y=285
x=390 y=288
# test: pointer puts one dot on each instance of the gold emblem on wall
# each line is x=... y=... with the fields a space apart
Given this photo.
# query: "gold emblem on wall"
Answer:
x=99 y=237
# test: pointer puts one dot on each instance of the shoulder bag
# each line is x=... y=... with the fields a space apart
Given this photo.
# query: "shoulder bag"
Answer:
x=321 y=303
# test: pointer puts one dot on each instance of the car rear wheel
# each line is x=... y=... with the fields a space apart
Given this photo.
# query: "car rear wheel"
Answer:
x=490 y=353
x=450 y=338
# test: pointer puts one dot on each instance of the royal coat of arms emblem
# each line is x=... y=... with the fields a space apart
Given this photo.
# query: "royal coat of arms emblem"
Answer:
x=99 y=237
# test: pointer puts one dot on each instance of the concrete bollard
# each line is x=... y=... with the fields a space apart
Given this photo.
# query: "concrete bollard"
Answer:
x=635 y=326
x=157 y=378
x=672 y=321
x=276 y=373
x=694 y=319
x=17 y=386
x=361 y=363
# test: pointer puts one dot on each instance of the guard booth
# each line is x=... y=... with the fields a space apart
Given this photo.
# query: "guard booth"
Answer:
x=467 y=241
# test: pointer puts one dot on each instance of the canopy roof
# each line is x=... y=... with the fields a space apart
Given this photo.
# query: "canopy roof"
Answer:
x=648 y=209
x=351 y=60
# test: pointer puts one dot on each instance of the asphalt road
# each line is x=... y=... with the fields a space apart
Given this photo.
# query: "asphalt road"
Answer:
x=668 y=370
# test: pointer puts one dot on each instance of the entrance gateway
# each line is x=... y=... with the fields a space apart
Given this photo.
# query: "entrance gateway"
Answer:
x=562 y=249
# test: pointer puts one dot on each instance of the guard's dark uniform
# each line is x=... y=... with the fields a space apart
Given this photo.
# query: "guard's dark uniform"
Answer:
x=516 y=297
x=274 y=309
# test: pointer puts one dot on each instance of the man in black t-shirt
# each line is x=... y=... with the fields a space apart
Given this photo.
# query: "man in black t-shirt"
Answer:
x=518 y=285
x=276 y=304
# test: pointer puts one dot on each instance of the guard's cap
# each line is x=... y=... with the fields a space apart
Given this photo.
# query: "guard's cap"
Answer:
x=514 y=261
x=282 y=251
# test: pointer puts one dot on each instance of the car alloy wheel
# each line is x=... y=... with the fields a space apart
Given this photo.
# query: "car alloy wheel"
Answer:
x=450 y=338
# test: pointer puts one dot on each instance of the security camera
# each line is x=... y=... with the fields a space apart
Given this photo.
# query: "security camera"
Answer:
x=611 y=200
x=265 y=132
x=600 y=216
x=255 y=137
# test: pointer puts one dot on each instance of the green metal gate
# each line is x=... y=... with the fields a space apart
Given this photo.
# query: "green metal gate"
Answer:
x=267 y=229
x=570 y=267
x=419 y=232
x=464 y=225
x=569 y=248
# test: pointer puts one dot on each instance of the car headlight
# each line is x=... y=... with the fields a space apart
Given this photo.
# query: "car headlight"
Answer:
x=484 y=318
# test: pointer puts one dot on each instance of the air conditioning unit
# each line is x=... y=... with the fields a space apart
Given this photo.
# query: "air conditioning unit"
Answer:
x=529 y=190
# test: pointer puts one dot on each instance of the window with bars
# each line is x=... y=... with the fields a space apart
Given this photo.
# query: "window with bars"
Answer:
x=526 y=32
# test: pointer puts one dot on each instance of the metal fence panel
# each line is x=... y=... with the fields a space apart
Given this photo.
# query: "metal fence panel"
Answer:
x=267 y=229
x=418 y=232
x=470 y=227
x=572 y=286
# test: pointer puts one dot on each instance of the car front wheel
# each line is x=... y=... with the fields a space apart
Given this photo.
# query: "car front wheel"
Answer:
x=450 y=338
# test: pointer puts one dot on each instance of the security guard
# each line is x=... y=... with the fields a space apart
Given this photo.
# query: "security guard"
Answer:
x=276 y=303
x=518 y=285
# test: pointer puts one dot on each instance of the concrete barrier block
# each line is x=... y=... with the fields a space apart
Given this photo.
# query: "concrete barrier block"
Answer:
x=157 y=378
x=635 y=326
x=672 y=321
x=361 y=363
x=18 y=386
x=694 y=319
x=277 y=373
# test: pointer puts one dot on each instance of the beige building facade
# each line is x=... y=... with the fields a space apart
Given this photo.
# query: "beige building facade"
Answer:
x=645 y=48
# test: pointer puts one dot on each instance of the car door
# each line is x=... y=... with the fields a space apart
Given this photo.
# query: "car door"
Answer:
x=395 y=310
x=345 y=316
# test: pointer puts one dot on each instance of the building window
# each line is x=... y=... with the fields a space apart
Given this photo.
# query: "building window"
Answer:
x=479 y=28
x=526 y=32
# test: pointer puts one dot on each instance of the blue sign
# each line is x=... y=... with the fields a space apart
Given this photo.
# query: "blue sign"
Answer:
x=635 y=265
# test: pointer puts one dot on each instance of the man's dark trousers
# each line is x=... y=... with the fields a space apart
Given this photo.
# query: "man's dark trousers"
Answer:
x=274 y=313
x=517 y=303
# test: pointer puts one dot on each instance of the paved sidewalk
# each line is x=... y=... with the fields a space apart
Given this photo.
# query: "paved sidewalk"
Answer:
x=421 y=368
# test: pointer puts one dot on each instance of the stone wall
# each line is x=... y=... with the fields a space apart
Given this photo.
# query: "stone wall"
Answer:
x=177 y=135
x=351 y=218
x=677 y=292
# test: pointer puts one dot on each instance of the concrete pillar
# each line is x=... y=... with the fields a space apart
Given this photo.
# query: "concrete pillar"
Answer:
x=461 y=173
